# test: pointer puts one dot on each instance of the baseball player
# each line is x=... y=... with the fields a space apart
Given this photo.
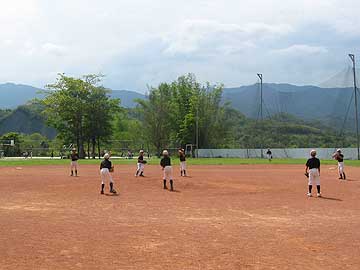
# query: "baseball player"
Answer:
x=340 y=159
x=269 y=154
x=74 y=162
x=165 y=163
x=312 y=171
x=140 y=164
x=182 y=157
x=105 y=169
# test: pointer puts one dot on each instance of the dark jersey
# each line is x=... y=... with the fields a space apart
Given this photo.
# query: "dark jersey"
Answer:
x=105 y=164
x=339 y=157
x=140 y=159
x=74 y=156
x=165 y=161
x=182 y=157
x=268 y=152
x=313 y=163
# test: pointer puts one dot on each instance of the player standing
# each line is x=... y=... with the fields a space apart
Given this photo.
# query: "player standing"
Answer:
x=74 y=162
x=165 y=163
x=105 y=169
x=340 y=159
x=269 y=154
x=312 y=171
x=182 y=157
x=140 y=164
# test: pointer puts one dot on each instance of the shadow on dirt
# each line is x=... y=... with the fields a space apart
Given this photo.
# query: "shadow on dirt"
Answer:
x=331 y=199
x=112 y=195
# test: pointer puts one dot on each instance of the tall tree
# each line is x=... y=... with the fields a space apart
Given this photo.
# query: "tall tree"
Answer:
x=79 y=109
x=171 y=111
x=157 y=115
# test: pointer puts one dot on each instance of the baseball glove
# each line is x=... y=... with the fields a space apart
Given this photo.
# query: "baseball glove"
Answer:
x=144 y=162
x=112 y=169
x=306 y=174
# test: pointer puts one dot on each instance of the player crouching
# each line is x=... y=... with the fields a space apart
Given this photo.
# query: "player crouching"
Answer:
x=340 y=159
x=312 y=171
x=165 y=163
x=105 y=169
x=140 y=164
x=182 y=157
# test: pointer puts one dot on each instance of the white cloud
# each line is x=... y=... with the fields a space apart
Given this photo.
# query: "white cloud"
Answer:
x=223 y=40
x=301 y=49
x=213 y=37
x=54 y=49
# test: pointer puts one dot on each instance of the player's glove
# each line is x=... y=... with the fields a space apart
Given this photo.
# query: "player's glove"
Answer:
x=306 y=174
x=144 y=162
x=112 y=169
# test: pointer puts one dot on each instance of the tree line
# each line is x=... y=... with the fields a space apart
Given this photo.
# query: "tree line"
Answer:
x=172 y=115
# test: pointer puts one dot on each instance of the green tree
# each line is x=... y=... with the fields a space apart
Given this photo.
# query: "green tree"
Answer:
x=80 y=110
x=157 y=116
x=171 y=111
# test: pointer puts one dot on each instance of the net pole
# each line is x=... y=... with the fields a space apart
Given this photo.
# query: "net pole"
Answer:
x=352 y=57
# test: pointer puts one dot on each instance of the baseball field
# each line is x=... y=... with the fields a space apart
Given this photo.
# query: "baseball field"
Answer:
x=227 y=214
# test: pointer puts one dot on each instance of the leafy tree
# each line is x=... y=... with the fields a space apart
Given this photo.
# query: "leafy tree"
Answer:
x=80 y=110
x=157 y=116
x=171 y=111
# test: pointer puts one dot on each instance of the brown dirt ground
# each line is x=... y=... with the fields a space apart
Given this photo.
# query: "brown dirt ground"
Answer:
x=221 y=217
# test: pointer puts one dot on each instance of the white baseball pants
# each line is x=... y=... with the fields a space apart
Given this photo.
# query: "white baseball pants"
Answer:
x=182 y=165
x=341 y=167
x=168 y=173
x=105 y=174
x=314 y=177
x=140 y=167
x=74 y=165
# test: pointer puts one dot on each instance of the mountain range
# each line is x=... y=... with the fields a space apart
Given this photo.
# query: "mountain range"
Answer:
x=305 y=102
x=13 y=95
x=311 y=103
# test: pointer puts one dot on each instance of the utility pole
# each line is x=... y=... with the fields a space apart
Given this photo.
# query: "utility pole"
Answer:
x=261 y=111
x=352 y=57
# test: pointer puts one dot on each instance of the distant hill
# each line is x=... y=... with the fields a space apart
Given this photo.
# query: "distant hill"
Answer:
x=13 y=95
x=328 y=105
x=26 y=119
x=305 y=102
x=127 y=97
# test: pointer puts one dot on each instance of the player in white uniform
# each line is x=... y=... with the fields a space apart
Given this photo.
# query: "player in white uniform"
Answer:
x=182 y=157
x=165 y=163
x=312 y=171
x=105 y=169
x=140 y=164
x=340 y=159
x=74 y=162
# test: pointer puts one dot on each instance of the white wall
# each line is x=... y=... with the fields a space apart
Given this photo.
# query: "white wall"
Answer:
x=322 y=153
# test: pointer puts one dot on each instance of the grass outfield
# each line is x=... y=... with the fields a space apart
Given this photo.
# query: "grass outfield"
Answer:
x=155 y=161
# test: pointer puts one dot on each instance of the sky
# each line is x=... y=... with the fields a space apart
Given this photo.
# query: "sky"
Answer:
x=141 y=43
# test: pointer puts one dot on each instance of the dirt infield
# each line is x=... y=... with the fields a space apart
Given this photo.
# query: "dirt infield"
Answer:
x=221 y=217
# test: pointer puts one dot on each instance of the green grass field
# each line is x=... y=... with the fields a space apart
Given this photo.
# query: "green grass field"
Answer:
x=155 y=161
